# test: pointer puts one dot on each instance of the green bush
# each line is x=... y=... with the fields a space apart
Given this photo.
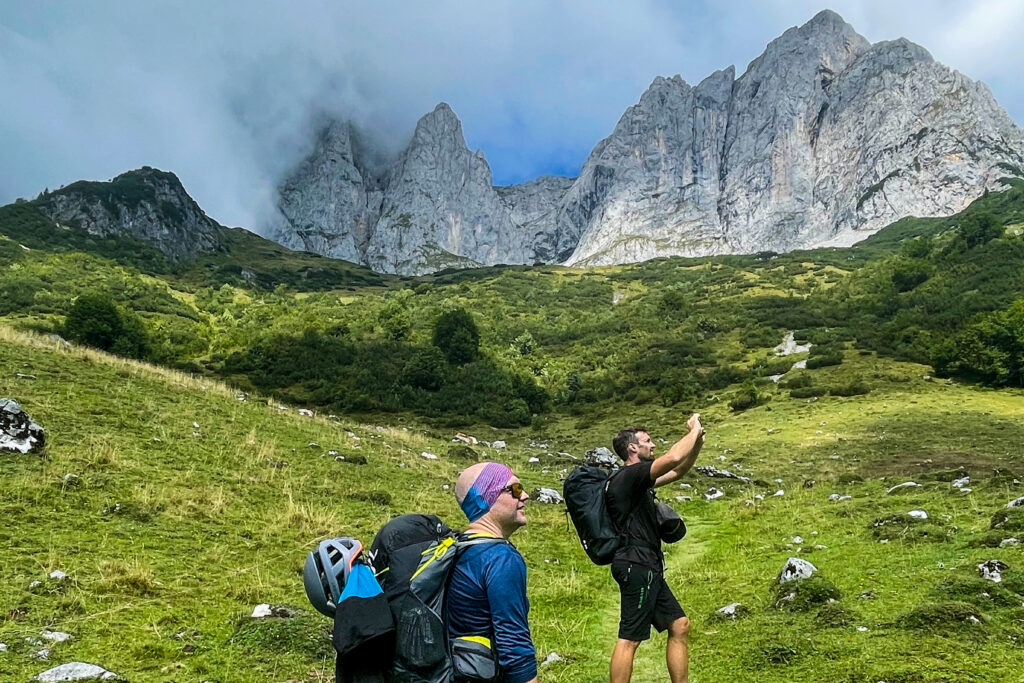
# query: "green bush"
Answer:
x=95 y=320
x=855 y=388
x=824 y=360
x=456 y=334
x=807 y=392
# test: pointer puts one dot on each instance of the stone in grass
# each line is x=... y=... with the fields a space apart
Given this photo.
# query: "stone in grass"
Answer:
x=992 y=570
x=730 y=612
x=549 y=496
x=941 y=617
x=1010 y=519
x=76 y=671
x=904 y=487
x=1016 y=503
x=795 y=570
x=805 y=594
x=461 y=451
x=601 y=457
x=18 y=432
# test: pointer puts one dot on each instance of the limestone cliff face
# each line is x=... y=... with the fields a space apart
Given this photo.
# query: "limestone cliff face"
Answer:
x=824 y=139
x=440 y=207
x=330 y=203
x=146 y=204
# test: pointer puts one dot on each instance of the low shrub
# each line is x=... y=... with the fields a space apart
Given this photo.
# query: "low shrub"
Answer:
x=804 y=594
x=807 y=392
x=1009 y=519
x=855 y=388
x=942 y=616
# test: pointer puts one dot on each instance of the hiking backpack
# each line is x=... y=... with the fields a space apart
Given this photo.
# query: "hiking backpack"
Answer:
x=584 y=491
x=413 y=556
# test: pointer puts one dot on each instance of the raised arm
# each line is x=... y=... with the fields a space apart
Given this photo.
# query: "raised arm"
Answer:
x=680 y=458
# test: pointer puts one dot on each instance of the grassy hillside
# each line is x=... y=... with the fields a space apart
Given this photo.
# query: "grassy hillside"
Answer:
x=170 y=533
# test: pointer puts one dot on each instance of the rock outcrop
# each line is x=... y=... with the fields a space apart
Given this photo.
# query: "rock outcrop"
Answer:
x=824 y=139
x=146 y=204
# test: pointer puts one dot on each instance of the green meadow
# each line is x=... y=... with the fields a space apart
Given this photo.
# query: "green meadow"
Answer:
x=180 y=486
x=170 y=533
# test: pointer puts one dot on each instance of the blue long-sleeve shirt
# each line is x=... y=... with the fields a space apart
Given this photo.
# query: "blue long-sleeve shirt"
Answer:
x=487 y=596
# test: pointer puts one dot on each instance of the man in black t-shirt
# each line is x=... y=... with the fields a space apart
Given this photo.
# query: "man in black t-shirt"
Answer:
x=638 y=566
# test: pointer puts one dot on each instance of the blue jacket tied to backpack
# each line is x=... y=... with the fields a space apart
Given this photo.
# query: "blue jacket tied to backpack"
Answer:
x=487 y=594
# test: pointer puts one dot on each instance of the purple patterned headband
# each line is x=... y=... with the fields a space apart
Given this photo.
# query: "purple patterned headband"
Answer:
x=484 y=490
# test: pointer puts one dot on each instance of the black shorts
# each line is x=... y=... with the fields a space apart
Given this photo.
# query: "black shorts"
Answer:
x=646 y=600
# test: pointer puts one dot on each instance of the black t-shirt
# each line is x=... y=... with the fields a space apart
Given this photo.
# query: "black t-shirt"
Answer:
x=630 y=499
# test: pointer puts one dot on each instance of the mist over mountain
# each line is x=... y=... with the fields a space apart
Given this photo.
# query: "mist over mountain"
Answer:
x=825 y=138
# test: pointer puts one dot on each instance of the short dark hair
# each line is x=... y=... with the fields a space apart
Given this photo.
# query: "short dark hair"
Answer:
x=626 y=436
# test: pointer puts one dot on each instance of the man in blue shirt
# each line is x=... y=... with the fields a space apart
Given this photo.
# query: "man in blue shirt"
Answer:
x=487 y=592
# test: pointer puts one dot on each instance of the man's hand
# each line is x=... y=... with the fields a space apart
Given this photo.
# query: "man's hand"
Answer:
x=681 y=456
x=694 y=424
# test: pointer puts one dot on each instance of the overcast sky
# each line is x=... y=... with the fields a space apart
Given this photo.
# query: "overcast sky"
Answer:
x=222 y=93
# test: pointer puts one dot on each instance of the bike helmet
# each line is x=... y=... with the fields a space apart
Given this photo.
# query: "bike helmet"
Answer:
x=326 y=571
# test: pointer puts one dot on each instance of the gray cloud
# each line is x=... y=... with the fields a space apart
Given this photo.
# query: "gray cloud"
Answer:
x=225 y=94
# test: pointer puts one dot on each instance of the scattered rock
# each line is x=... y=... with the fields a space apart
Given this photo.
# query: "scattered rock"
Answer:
x=842 y=498
x=261 y=611
x=834 y=497
x=3 y=647
x=498 y=444
x=465 y=438
x=796 y=569
x=905 y=486
x=715 y=473
x=1019 y=502
x=428 y=456
x=961 y=482
x=42 y=655
x=778 y=494
x=601 y=457
x=534 y=459
x=798 y=540
x=1008 y=543
x=733 y=611
x=58 y=575
x=992 y=570
x=76 y=671
x=17 y=430
x=56 y=636
x=59 y=341
x=549 y=496
x=305 y=412
x=918 y=514
x=551 y=659
x=70 y=481
x=809 y=483
x=713 y=494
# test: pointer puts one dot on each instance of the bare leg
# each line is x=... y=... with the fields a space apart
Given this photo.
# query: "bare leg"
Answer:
x=622 y=660
x=676 y=651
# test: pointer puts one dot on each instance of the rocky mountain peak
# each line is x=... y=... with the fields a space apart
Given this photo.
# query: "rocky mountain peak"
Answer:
x=824 y=136
x=145 y=203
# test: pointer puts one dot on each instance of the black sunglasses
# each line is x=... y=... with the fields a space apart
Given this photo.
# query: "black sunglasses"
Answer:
x=515 y=489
